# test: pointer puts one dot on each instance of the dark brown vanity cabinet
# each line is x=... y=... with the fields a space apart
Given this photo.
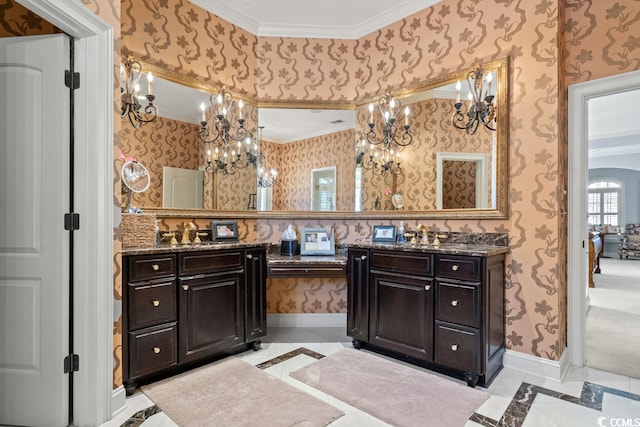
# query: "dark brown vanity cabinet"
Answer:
x=185 y=307
x=255 y=304
x=437 y=310
x=401 y=303
x=358 y=294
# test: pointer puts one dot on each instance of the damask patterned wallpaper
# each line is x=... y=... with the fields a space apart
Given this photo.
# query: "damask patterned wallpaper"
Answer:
x=295 y=160
x=550 y=43
x=163 y=142
x=15 y=20
x=458 y=184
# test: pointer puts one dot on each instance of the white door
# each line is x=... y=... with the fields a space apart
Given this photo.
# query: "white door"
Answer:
x=182 y=188
x=34 y=247
x=323 y=189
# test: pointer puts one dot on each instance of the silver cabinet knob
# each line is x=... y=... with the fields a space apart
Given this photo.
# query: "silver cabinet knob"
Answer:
x=155 y=302
x=454 y=303
x=155 y=267
x=454 y=347
x=185 y=287
x=363 y=257
x=455 y=267
x=156 y=350
x=249 y=256
x=427 y=287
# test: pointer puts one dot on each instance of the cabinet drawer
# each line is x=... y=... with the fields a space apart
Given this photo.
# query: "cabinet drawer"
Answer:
x=209 y=262
x=151 y=267
x=151 y=303
x=152 y=349
x=457 y=347
x=402 y=262
x=458 y=303
x=458 y=267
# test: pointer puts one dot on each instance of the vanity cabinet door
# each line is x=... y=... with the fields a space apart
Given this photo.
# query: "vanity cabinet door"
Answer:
x=256 y=293
x=358 y=294
x=152 y=349
x=402 y=314
x=211 y=315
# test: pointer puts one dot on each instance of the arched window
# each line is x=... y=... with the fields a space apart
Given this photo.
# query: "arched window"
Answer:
x=604 y=203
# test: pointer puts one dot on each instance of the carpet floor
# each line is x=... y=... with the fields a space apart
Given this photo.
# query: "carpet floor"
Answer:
x=233 y=393
x=395 y=393
x=612 y=333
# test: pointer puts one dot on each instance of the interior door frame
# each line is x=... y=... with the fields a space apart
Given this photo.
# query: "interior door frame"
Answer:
x=94 y=398
x=577 y=247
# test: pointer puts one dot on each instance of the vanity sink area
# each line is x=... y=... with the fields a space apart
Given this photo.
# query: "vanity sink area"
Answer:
x=438 y=307
x=188 y=304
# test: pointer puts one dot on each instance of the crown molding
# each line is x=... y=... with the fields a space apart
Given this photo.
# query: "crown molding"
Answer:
x=347 y=32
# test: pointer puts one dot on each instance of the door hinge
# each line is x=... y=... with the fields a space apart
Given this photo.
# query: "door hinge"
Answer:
x=72 y=221
x=71 y=363
x=71 y=80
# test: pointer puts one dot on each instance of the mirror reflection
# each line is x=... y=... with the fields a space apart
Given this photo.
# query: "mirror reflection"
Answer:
x=172 y=141
x=297 y=140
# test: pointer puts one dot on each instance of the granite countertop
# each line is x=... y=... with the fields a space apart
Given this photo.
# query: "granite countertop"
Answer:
x=192 y=247
x=339 y=258
x=444 y=248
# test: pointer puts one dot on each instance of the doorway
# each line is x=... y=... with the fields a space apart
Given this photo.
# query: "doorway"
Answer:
x=93 y=271
x=578 y=302
x=323 y=189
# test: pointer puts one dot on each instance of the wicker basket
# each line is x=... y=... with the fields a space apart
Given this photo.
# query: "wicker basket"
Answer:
x=138 y=230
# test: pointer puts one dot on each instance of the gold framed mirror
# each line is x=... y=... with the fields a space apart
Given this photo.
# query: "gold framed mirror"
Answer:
x=411 y=188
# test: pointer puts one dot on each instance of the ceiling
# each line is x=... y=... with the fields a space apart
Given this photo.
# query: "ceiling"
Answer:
x=340 y=19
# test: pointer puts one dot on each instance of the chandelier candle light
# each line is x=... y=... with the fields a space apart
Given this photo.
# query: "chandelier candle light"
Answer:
x=389 y=108
x=481 y=108
x=130 y=72
x=220 y=135
x=379 y=160
x=266 y=177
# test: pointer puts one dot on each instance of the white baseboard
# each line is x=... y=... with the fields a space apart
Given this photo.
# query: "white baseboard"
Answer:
x=307 y=320
x=549 y=369
x=118 y=400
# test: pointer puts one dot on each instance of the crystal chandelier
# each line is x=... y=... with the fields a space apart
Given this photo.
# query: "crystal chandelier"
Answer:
x=227 y=154
x=266 y=177
x=389 y=109
x=379 y=160
x=228 y=159
x=130 y=72
x=481 y=109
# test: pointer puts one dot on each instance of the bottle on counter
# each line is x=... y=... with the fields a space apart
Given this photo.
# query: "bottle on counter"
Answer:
x=400 y=236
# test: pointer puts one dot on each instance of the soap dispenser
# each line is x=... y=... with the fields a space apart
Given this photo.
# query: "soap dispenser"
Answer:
x=400 y=237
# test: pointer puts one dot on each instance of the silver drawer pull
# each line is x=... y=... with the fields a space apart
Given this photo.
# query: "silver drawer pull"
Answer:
x=185 y=287
x=155 y=267
x=427 y=287
x=155 y=302
x=455 y=267
x=363 y=257
x=156 y=350
x=249 y=256
x=454 y=347
x=454 y=303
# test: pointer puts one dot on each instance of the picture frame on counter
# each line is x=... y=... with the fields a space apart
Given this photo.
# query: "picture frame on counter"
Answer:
x=317 y=241
x=224 y=231
x=384 y=234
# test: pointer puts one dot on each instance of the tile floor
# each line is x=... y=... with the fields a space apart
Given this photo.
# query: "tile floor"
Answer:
x=587 y=397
